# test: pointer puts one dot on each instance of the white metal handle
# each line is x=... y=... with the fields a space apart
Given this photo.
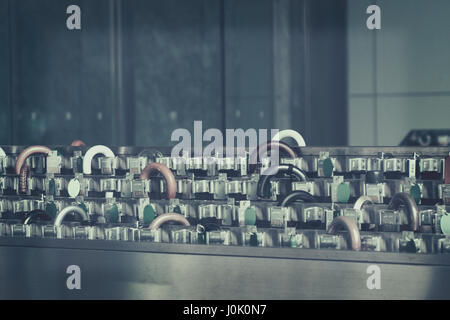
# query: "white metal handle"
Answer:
x=87 y=160
x=290 y=134
x=62 y=214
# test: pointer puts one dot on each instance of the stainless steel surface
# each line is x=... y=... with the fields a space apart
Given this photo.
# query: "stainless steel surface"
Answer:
x=36 y=268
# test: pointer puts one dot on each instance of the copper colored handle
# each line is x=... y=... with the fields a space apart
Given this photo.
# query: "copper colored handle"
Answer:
x=166 y=217
x=77 y=143
x=28 y=152
x=350 y=226
x=23 y=179
x=411 y=208
x=447 y=170
x=253 y=160
x=166 y=173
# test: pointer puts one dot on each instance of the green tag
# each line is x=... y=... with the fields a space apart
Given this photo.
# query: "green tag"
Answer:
x=113 y=214
x=411 y=247
x=445 y=224
x=343 y=192
x=177 y=209
x=327 y=166
x=52 y=187
x=293 y=242
x=201 y=238
x=253 y=241
x=149 y=214
x=79 y=164
x=50 y=209
x=250 y=216
x=416 y=193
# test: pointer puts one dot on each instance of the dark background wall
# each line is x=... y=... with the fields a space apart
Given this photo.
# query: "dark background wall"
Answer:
x=139 y=69
x=398 y=76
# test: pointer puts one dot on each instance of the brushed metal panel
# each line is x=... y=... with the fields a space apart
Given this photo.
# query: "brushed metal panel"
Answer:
x=39 y=272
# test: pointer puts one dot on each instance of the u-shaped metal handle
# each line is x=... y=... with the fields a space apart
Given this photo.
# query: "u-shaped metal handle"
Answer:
x=253 y=159
x=93 y=151
x=289 y=133
x=350 y=226
x=403 y=198
x=28 y=152
x=361 y=202
x=62 y=214
x=77 y=143
x=166 y=173
x=166 y=217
